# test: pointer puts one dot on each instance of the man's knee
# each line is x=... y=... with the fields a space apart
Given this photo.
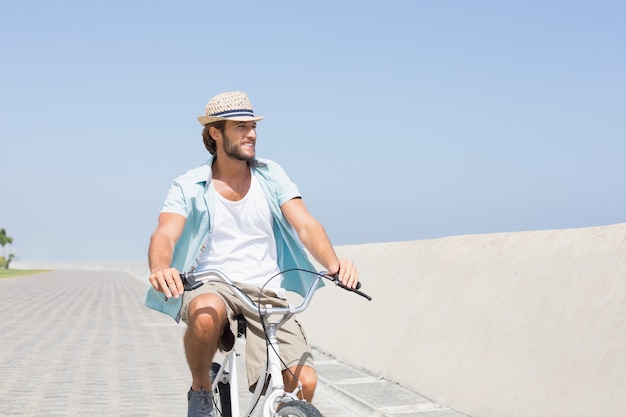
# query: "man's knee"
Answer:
x=308 y=377
x=305 y=375
x=207 y=311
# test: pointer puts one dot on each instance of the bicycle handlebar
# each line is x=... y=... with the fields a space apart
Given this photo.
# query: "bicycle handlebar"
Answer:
x=194 y=280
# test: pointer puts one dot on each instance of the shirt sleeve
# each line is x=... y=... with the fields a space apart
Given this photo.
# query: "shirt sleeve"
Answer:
x=175 y=201
x=286 y=189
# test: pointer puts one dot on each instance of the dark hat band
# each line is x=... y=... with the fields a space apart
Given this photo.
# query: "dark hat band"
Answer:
x=234 y=113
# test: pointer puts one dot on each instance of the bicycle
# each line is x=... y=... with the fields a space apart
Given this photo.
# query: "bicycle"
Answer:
x=277 y=402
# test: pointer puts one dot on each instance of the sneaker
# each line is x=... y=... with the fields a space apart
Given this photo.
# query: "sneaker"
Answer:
x=200 y=403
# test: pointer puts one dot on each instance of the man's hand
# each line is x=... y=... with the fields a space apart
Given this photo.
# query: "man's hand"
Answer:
x=348 y=274
x=167 y=280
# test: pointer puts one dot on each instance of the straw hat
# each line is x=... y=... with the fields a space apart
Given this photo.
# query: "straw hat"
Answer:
x=234 y=105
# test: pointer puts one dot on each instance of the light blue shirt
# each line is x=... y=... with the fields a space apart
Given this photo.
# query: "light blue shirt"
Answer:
x=192 y=195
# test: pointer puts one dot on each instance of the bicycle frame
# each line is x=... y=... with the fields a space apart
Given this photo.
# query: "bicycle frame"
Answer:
x=227 y=373
x=276 y=393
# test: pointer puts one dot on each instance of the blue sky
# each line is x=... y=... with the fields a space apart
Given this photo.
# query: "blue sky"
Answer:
x=398 y=120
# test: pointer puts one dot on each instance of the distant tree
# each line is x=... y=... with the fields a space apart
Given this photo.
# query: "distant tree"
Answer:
x=5 y=240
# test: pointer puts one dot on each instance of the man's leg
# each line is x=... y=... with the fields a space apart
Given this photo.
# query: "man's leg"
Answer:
x=207 y=318
x=307 y=377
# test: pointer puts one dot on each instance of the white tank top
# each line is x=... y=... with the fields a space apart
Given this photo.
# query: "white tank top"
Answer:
x=241 y=243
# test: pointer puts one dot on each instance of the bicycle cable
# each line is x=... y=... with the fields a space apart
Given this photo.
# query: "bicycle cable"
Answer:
x=267 y=341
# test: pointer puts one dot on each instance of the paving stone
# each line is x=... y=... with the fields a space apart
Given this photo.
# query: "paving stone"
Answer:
x=81 y=343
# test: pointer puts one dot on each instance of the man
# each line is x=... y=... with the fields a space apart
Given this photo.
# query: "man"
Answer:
x=243 y=216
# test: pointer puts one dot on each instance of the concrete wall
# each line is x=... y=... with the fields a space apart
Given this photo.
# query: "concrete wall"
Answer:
x=508 y=325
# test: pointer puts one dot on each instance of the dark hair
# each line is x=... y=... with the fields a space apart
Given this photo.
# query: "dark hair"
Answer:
x=209 y=142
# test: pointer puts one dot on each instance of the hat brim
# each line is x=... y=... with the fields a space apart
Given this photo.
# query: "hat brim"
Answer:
x=205 y=120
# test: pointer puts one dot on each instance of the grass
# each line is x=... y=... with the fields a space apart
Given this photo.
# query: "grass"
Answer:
x=10 y=273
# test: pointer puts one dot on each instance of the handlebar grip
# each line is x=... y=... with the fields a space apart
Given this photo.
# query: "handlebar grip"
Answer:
x=358 y=286
x=336 y=281
x=362 y=294
x=355 y=290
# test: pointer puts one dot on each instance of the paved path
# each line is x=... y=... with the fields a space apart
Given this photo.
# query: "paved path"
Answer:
x=80 y=343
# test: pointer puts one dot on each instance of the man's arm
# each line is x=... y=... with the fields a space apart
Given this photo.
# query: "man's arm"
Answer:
x=163 y=277
x=315 y=239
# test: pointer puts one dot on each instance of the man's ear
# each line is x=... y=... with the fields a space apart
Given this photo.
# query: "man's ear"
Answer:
x=215 y=133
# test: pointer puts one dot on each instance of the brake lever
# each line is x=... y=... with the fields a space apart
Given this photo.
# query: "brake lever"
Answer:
x=190 y=284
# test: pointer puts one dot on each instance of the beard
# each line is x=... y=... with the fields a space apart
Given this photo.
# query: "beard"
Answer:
x=234 y=150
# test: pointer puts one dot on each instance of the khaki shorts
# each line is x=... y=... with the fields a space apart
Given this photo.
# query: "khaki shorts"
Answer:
x=294 y=348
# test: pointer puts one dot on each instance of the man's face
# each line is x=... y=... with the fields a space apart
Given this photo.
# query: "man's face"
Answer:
x=239 y=140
